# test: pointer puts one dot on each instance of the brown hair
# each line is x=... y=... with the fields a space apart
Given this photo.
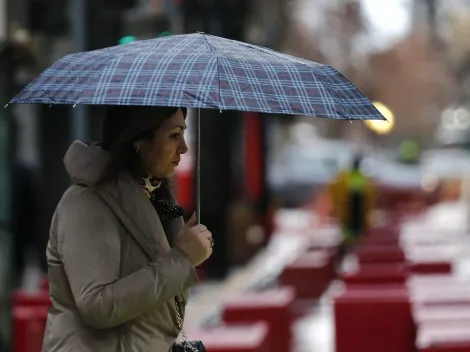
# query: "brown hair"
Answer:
x=124 y=125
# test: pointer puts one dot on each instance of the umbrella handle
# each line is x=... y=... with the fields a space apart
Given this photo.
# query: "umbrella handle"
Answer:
x=198 y=166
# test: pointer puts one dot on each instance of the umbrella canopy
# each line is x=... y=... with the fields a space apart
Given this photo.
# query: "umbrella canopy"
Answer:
x=200 y=71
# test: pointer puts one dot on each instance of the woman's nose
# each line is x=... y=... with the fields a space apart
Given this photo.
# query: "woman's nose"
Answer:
x=183 y=147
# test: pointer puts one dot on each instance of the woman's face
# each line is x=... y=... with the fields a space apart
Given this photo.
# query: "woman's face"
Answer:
x=163 y=153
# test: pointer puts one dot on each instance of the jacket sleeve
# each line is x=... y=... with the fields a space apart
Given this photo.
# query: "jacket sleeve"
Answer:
x=89 y=245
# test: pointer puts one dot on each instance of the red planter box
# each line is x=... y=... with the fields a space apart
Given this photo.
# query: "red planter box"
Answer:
x=380 y=254
x=274 y=307
x=374 y=320
x=377 y=274
x=310 y=274
x=430 y=267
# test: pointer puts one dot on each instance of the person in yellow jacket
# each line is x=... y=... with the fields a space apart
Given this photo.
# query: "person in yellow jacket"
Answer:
x=353 y=196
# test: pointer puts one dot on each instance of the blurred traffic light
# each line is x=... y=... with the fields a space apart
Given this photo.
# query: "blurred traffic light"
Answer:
x=409 y=151
x=164 y=34
x=127 y=39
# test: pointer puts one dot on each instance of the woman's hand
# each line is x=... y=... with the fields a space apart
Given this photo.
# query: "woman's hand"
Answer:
x=195 y=241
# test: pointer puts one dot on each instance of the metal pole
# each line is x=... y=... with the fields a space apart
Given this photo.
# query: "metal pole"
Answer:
x=198 y=166
x=3 y=19
x=79 y=117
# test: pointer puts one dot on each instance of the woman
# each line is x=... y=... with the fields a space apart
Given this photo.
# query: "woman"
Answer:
x=120 y=258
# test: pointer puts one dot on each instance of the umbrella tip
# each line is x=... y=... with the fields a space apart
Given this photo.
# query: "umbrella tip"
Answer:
x=6 y=105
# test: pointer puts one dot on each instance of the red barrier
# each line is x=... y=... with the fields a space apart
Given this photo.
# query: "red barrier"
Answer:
x=381 y=274
x=380 y=254
x=372 y=320
x=29 y=324
x=249 y=338
x=430 y=267
x=275 y=307
x=379 y=241
x=387 y=233
x=31 y=299
x=376 y=287
x=310 y=274
x=380 y=237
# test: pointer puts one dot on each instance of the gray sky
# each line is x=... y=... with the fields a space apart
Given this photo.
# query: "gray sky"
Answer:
x=390 y=19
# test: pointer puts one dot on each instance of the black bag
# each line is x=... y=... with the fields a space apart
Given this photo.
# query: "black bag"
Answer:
x=194 y=346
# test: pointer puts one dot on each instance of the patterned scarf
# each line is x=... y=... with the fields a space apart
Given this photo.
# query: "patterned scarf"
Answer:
x=165 y=209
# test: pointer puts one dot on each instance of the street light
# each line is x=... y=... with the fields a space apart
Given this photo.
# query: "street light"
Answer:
x=382 y=127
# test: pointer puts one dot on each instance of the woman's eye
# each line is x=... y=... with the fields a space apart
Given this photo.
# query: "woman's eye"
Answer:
x=175 y=135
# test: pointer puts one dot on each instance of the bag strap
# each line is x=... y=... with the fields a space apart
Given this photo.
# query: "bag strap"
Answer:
x=179 y=319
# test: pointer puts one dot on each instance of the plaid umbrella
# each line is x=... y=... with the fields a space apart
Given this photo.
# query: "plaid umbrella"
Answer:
x=200 y=71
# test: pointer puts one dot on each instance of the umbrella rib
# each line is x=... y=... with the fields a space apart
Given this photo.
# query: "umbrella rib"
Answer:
x=218 y=70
